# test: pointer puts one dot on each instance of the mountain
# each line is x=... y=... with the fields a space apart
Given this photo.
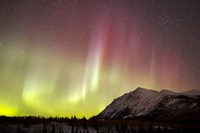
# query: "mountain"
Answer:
x=151 y=104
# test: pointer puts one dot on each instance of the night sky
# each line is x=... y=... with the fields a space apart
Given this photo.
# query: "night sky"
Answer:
x=73 y=57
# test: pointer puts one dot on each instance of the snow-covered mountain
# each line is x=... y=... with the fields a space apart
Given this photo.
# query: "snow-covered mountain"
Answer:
x=151 y=104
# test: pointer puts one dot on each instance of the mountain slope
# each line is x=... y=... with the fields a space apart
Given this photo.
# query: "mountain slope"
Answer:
x=152 y=104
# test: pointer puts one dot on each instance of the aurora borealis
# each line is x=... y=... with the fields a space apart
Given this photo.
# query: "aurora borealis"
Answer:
x=73 y=57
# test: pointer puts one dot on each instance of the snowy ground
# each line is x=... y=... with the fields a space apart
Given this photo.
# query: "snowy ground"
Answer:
x=74 y=125
x=55 y=127
x=52 y=127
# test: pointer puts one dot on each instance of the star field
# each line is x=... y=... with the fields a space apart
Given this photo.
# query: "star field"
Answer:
x=73 y=57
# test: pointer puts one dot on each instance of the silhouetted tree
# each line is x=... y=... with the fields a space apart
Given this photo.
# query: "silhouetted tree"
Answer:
x=53 y=129
x=19 y=129
x=60 y=131
x=97 y=128
x=108 y=130
x=72 y=131
x=44 y=128
x=76 y=130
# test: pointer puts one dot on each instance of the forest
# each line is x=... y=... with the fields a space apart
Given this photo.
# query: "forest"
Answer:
x=40 y=124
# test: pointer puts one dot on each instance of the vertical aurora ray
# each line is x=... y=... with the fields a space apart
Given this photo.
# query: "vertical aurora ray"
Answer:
x=93 y=62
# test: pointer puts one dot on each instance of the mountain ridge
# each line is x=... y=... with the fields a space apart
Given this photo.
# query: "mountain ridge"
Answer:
x=148 y=104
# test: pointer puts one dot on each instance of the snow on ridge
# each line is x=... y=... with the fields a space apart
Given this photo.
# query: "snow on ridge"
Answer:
x=140 y=102
x=146 y=92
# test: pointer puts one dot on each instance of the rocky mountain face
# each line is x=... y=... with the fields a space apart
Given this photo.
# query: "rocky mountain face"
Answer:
x=151 y=104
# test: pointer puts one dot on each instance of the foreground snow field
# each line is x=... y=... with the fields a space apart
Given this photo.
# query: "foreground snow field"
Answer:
x=56 y=127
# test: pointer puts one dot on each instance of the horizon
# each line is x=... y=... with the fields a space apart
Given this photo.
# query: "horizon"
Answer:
x=141 y=91
x=89 y=117
x=73 y=57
